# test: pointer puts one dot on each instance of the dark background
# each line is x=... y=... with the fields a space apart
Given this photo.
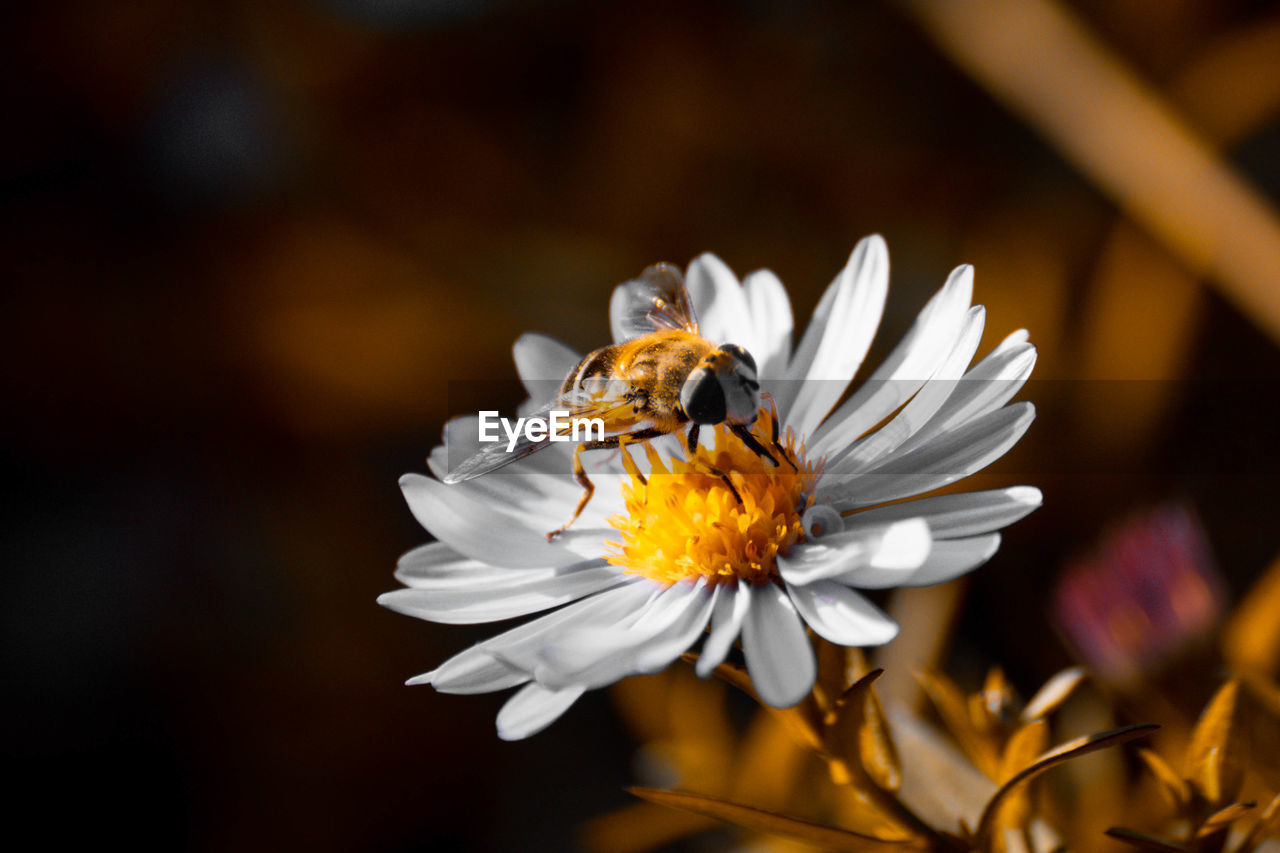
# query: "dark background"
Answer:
x=247 y=247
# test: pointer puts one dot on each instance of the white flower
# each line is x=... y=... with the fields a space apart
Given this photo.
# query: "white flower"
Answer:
x=662 y=553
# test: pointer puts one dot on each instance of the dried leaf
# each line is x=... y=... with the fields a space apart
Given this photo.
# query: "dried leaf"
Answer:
x=1251 y=637
x=1026 y=743
x=1266 y=693
x=982 y=720
x=953 y=709
x=948 y=699
x=838 y=668
x=1145 y=842
x=1054 y=692
x=1023 y=747
x=1215 y=758
x=828 y=837
x=879 y=755
x=1172 y=785
x=856 y=811
x=939 y=783
x=1260 y=728
x=1224 y=817
x=640 y=827
x=1064 y=752
x=1267 y=825
x=870 y=760
x=857 y=733
x=997 y=694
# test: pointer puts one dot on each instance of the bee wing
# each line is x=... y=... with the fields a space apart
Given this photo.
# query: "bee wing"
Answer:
x=599 y=400
x=495 y=455
x=656 y=300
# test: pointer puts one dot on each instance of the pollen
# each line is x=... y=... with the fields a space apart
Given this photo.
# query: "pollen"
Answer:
x=722 y=513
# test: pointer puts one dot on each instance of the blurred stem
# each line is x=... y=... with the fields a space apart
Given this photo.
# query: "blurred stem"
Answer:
x=926 y=615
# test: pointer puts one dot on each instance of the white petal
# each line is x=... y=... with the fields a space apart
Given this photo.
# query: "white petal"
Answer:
x=719 y=303
x=771 y=314
x=495 y=601
x=780 y=660
x=579 y=653
x=1021 y=336
x=841 y=615
x=991 y=384
x=480 y=531
x=920 y=408
x=436 y=564
x=541 y=493
x=901 y=545
x=949 y=559
x=599 y=656
x=543 y=502
x=472 y=671
x=836 y=341
x=458 y=578
x=543 y=363
x=944 y=460
x=533 y=709
x=818 y=560
x=677 y=641
x=726 y=623
x=461 y=437
x=521 y=646
x=966 y=514
x=916 y=357
x=539 y=489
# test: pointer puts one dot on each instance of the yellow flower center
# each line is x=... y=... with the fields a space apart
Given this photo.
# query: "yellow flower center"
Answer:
x=685 y=521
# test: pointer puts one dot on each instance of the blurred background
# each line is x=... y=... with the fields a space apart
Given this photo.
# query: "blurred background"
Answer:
x=254 y=254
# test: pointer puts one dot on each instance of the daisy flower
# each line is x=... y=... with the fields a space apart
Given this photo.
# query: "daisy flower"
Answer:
x=666 y=552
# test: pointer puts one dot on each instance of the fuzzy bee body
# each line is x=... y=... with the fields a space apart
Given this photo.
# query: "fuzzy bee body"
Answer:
x=653 y=368
x=663 y=377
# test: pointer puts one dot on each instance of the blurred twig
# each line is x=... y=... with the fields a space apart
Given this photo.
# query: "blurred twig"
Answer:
x=1047 y=67
x=1229 y=91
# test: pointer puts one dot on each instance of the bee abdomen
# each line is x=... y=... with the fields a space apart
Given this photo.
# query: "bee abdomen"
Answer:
x=596 y=364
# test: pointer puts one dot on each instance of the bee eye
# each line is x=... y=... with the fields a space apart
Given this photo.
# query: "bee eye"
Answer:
x=703 y=398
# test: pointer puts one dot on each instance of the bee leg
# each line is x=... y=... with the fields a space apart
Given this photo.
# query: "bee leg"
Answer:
x=725 y=477
x=580 y=474
x=754 y=446
x=693 y=436
x=775 y=432
x=588 y=489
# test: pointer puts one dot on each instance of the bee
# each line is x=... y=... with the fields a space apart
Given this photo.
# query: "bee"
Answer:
x=662 y=378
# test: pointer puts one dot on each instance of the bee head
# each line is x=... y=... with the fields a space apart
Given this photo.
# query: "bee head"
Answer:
x=722 y=387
